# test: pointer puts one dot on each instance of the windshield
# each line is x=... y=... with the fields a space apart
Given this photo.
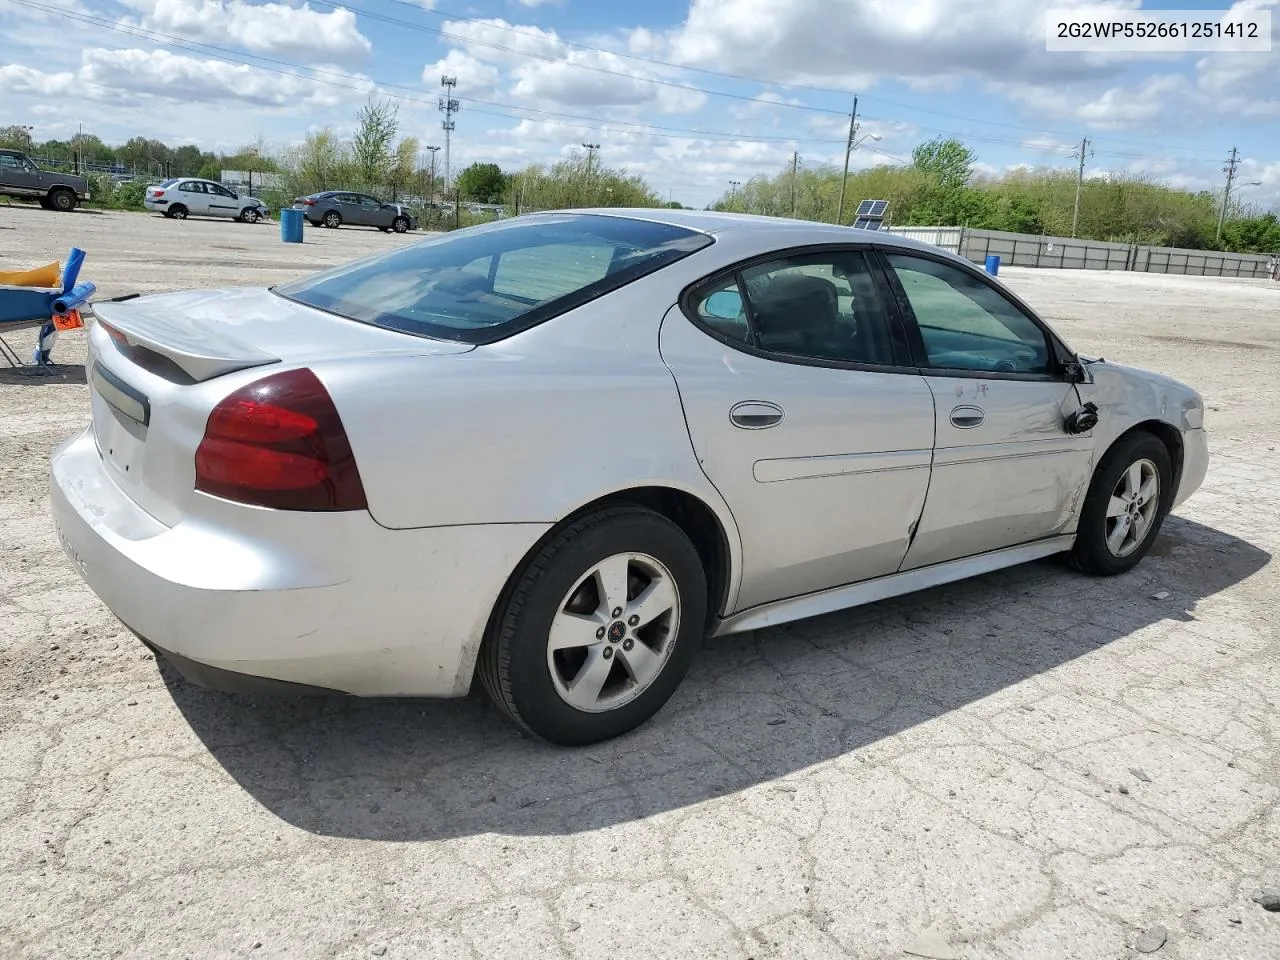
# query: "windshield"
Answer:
x=485 y=283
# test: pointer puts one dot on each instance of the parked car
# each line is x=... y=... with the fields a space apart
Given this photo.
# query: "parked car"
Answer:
x=184 y=197
x=52 y=189
x=333 y=208
x=555 y=451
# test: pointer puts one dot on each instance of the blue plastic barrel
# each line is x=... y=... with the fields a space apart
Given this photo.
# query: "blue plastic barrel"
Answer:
x=993 y=264
x=291 y=225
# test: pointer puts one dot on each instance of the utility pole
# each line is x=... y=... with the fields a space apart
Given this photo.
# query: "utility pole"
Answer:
x=1230 y=171
x=733 y=192
x=1084 y=152
x=848 y=149
x=795 y=166
x=591 y=152
x=449 y=106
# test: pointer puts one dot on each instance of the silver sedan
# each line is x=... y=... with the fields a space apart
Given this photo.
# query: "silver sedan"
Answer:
x=556 y=452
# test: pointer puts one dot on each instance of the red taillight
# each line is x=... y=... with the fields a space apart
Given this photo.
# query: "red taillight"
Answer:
x=308 y=202
x=279 y=442
x=157 y=193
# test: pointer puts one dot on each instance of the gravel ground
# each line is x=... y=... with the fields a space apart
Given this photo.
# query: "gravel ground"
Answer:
x=1028 y=765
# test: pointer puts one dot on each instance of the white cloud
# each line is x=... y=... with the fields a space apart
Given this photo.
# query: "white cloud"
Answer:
x=475 y=78
x=125 y=76
x=826 y=40
x=266 y=28
x=546 y=70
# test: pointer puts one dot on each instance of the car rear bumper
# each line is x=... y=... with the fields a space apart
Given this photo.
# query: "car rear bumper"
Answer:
x=331 y=601
x=156 y=206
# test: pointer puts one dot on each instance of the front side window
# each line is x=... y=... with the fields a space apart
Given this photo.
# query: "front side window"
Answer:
x=965 y=323
x=9 y=160
x=483 y=283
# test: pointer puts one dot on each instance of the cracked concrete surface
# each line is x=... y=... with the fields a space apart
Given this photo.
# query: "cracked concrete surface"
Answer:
x=1038 y=764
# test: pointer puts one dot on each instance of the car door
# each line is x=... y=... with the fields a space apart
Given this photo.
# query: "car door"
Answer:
x=222 y=202
x=192 y=195
x=348 y=207
x=804 y=415
x=17 y=173
x=372 y=214
x=1005 y=469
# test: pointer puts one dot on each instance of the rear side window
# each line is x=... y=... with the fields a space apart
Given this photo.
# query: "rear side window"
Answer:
x=485 y=283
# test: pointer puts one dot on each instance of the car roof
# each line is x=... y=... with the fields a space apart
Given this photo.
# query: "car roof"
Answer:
x=723 y=224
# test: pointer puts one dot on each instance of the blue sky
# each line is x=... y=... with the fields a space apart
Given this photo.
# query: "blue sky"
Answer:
x=688 y=93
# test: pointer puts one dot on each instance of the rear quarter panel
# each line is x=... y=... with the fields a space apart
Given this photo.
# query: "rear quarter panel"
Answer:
x=527 y=430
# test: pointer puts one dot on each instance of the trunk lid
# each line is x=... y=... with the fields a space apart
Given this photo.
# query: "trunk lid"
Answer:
x=158 y=365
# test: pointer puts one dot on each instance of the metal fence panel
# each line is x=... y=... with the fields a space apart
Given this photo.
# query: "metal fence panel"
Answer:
x=1029 y=250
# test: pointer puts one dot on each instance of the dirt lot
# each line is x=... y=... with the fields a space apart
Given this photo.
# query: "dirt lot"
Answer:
x=1030 y=765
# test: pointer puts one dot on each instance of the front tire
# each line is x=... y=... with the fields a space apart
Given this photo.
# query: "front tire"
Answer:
x=1128 y=499
x=62 y=200
x=332 y=220
x=249 y=215
x=400 y=224
x=596 y=632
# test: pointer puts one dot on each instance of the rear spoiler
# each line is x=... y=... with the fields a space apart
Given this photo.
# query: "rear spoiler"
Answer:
x=200 y=350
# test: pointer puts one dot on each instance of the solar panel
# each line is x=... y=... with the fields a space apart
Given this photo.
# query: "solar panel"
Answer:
x=878 y=207
x=868 y=223
x=864 y=208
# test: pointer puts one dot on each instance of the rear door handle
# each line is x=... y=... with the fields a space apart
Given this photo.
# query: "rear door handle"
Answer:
x=755 y=414
x=966 y=417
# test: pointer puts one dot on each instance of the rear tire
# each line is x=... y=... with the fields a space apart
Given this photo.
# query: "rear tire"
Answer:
x=595 y=633
x=1128 y=499
x=177 y=212
x=332 y=220
x=62 y=200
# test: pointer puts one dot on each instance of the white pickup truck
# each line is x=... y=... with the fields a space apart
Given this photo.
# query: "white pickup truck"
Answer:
x=55 y=190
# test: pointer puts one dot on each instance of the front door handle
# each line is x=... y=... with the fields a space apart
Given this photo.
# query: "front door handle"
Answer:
x=755 y=414
x=967 y=417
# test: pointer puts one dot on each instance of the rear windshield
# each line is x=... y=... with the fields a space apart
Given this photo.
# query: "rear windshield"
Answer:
x=170 y=183
x=484 y=283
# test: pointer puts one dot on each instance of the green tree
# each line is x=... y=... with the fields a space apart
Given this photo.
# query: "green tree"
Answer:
x=482 y=182
x=946 y=160
x=377 y=123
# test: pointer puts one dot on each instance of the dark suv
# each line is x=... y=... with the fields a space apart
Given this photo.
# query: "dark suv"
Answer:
x=20 y=177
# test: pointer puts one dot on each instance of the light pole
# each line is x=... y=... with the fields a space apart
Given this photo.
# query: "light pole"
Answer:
x=431 y=184
x=26 y=132
x=733 y=192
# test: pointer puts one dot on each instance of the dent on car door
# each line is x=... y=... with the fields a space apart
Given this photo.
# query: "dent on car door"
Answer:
x=1005 y=470
x=799 y=415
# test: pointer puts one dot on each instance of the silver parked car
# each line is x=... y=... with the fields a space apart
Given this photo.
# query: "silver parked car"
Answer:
x=334 y=208
x=184 y=197
x=558 y=450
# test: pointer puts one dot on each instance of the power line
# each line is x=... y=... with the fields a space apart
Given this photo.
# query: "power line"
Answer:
x=361 y=83
x=316 y=75
x=651 y=61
